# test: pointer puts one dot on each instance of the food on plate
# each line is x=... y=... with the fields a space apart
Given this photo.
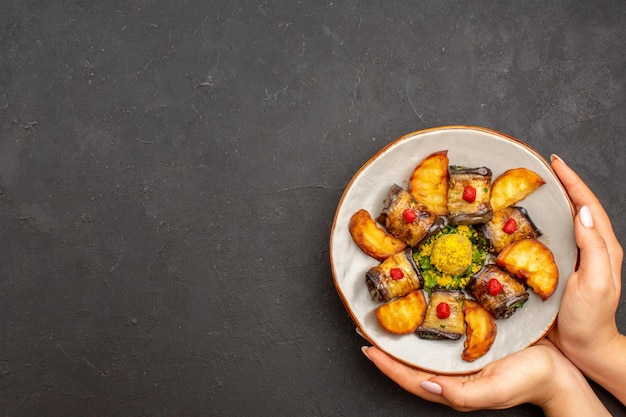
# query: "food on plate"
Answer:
x=429 y=183
x=434 y=270
x=480 y=331
x=406 y=218
x=532 y=261
x=497 y=291
x=468 y=195
x=508 y=225
x=371 y=238
x=436 y=245
x=395 y=277
x=452 y=254
x=512 y=186
x=444 y=316
x=403 y=315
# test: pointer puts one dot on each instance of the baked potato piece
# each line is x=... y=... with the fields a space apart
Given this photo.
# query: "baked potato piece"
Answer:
x=508 y=225
x=480 y=331
x=512 y=186
x=444 y=316
x=372 y=239
x=532 y=261
x=468 y=195
x=429 y=183
x=403 y=315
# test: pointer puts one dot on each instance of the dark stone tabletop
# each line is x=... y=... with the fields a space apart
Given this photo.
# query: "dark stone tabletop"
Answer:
x=169 y=173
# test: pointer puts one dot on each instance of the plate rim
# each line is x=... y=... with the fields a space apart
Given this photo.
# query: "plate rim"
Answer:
x=371 y=160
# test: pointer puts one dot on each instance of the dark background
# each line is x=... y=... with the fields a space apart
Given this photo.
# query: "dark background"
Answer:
x=169 y=173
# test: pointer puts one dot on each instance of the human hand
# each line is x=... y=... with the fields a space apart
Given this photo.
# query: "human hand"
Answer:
x=539 y=374
x=586 y=329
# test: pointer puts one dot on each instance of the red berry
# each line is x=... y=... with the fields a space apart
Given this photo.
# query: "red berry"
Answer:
x=510 y=226
x=469 y=194
x=396 y=273
x=494 y=287
x=443 y=310
x=409 y=215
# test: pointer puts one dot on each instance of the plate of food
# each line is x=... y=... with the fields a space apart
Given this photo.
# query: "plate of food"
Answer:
x=451 y=248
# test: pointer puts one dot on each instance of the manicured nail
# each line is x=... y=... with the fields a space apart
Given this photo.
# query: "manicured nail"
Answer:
x=364 y=350
x=359 y=332
x=585 y=217
x=554 y=157
x=431 y=387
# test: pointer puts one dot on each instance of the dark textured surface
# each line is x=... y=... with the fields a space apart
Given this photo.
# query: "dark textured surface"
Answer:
x=169 y=173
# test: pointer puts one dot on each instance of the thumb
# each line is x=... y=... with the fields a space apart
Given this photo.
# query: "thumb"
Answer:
x=481 y=391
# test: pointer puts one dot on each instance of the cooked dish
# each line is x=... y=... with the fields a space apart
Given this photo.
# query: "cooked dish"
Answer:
x=469 y=191
x=395 y=277
x=405 y=218
x=497 y=291
x=444 y=316
x=444 y=239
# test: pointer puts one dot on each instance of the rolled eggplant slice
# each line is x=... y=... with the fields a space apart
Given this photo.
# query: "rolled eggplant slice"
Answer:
x=501 y=230
x=407 y=219
x=436 y=326
x=467 y=207
x=505 y=302
x=395 y=277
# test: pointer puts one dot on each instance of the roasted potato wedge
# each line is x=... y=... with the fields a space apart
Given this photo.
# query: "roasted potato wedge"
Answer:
x=371 y=238
x=403 y=315
x=480 y=331
x=429 y=183
x=512 y=186
x=532 y=261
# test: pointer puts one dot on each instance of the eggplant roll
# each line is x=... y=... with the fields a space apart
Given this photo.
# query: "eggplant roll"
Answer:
x=406 y=218
x=395 y=277
x=501 y=230
x=469 y=207
x=503 y=304
x=450 y=327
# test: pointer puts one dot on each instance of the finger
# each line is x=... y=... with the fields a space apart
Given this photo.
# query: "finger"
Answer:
x=581 y=196
x=403 y=375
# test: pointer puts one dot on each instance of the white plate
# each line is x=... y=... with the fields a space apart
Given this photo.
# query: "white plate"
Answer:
x=549 y=207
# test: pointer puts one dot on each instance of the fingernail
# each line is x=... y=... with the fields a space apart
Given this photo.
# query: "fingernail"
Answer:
x=364 y=350
x=554 y=157
x=359 y=332
x=585 y=217
x=431 y=387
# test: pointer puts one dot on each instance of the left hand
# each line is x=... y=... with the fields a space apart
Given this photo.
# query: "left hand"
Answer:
x=539 y=374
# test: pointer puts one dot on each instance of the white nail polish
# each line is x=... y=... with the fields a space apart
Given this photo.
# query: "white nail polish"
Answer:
x=359 y=332
x=431 y=387
x=364 y=350
x=585 y=217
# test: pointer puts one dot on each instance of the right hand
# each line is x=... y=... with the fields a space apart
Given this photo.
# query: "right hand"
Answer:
x=586 y=329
